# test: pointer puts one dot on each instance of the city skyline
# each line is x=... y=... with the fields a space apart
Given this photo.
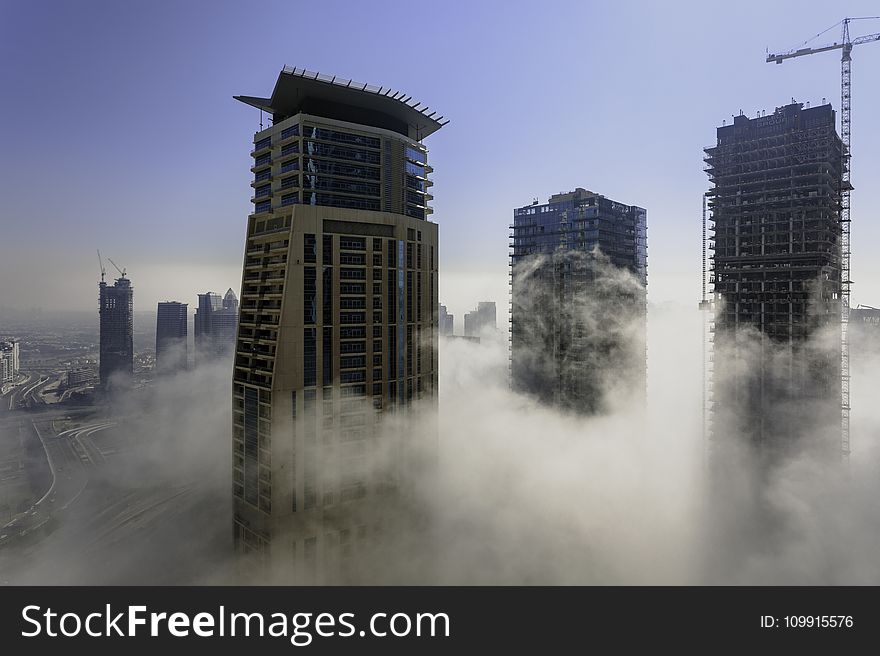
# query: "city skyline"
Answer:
x=354 y=442
x=668 y=136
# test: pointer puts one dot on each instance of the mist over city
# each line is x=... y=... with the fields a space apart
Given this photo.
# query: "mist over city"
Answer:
x=278 y=326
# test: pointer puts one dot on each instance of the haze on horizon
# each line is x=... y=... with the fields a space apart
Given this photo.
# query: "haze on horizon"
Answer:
x=120 y=131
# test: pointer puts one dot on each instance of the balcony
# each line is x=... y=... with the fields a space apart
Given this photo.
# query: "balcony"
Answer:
x=263 y=207
x=262 y=176
x=287 y=183
x=262 y=146
x=264 y=192
x=290 y=133
x=262 y=163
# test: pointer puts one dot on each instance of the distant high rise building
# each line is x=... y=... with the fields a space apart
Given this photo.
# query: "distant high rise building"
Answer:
x=775 y=214
x=338 y=317
x=578 y=304
x=480 y=320
x=9 y=361
x=117 y=325
x=864 y=326
x=216 y=323
x=446 y=322
x=230 y=302
x=171 y=331
x=80 y=376
x=866 y=316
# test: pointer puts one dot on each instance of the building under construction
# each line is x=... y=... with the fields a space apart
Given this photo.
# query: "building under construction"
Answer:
x=117 y=351
x=775 y=226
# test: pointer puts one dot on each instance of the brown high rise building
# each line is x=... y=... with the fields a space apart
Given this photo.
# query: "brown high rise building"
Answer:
x=338 y=316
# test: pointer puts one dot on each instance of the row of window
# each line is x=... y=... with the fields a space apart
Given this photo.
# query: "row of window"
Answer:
x=317 y=149
x=335 y=184
x=341 y=168
x=327 y=134
x=351 y=202
x=416 y=156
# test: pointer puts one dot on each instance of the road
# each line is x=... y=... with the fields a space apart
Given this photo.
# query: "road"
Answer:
x=70 y=454
x=26 y=394
x=72 y=390
x=108 y=512
x=12 y=397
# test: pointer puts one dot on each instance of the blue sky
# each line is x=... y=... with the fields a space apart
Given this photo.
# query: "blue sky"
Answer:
x=119 y=130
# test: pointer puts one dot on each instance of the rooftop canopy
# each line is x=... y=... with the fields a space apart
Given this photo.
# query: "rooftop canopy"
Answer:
x=299 y=90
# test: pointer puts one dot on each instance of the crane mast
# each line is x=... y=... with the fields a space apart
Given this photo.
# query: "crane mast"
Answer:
x=845 y=46
x=101 y=265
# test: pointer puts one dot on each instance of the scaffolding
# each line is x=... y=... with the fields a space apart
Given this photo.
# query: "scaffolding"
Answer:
x=772 y=258
x=707 y=306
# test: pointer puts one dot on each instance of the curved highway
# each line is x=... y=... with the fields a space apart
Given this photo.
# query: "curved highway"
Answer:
x=70 y=454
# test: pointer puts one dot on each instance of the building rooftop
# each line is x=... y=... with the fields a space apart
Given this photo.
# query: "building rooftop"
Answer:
x=299 y=90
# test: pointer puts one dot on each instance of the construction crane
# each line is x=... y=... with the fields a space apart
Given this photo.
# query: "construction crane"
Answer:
x=845 y=45
x=101 y=264
x=121 y=271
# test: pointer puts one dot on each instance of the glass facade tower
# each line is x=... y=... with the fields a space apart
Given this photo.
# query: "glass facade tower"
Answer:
x=578 y=284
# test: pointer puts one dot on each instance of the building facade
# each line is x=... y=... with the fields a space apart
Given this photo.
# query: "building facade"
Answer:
x=578 y=313
x=171 y=332
x=446 y=322
x=480 y=320
x=82 y=376
x=9 y=361
x=865 y=315
x=338 y=321
x=775 y=223
x=215 y=326
x=115 y=311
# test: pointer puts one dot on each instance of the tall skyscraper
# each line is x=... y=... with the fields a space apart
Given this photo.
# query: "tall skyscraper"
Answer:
x=338 y=317
x=171 y=331
x=481 y=319
x=578 y=313
x=117 y=326
x=9 y=361
x=775 y=214
x=215 y=326
x=446 y=322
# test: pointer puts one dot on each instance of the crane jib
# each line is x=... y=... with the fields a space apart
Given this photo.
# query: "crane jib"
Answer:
x=846 y=45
